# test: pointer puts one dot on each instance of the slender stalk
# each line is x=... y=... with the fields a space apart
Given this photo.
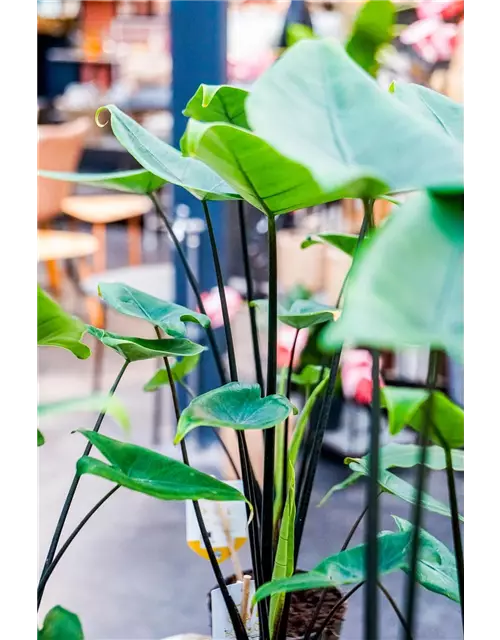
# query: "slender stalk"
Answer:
x=355 y=526
x=269 y=436
x=336 y=608
x=46 y=575
x=234 y=615
x=418 y=510
x=397 y=610
x=250 y=296
x=72 y=490
x=284 y=489
x=194 y=286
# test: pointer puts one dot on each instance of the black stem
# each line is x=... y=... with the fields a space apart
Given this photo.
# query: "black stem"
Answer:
x=72 y=536
x=284 y=489
x=336 y=608
x=397 y=610
x=236 y=621
x=194 y=286
x=72 y=490
x=269 y=436
x=250 y=296
x=417 y=516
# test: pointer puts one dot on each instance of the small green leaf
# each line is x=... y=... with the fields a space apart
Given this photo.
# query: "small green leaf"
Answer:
x=58 y=329
x=236 y=406
x=179 y=370
x=296 y=32
x=137 y=181
x=309 y=376
x=436 y=567
x=409 y=407
x=112 y=405
x=39 y=438
x=164 y=161
x=302 y=314
x=218 y=103
x=343 y=241
x=170 y=317
x=373 y=28
x=60 y=624
x=133 y=349
x=149 y=472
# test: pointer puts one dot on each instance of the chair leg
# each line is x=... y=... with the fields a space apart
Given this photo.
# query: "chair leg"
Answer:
x=134 y=241
x=54 y=276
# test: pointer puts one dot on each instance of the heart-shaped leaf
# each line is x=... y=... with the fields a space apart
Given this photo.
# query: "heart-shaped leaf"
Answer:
x=137 y=181
x=218 y=103
x=436 y=566
x=149 y=472
x=268 y=179
x=133 y=349
x=433 y=106
x=410 y=407
x=303 y=313
x=55 y=328
x=170 y=317
x=235 y=406
x=179 y=369
x=112 y=405
x=318 y=107
x=343 y=241
x=60 y=624
x=406 y=285
x=39 y=438
x=164 y=161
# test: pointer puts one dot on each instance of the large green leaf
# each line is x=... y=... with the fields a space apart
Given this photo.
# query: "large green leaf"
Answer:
x=284 y=559
x=373 y=28
x=402 y=456
x=406 y=285
x=95 y=402
x=55 y=328
x=345 y=567
x=218 y=103
x=268 y=179
x=170 y=317
x=137 y=181
x=133 y=349
x=343 y=241
x=410 y=407
x=179 y=369
x=60 y=624
x=236 y=406
x=149 y=472
x=164 y=161
x=319 y=108
x=433 y=106
x=436 y=566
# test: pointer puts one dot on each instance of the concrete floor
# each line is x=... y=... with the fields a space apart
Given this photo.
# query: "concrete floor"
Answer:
x=130 y=575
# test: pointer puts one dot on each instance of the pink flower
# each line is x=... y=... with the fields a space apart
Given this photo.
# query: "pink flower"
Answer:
x=211 y=300
x=286 y=336
x=432 y=38
x=356 y=375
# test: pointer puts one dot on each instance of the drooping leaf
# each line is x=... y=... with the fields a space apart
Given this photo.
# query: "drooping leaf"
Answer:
x=344 y=241
x=268 y=179
x=179 y=369
x=137 y=181
x=39 y=438
x=406 y=285
x=133 y=349
x=170 y=317
x=436 y=567
x=284 y=559
x=410 y=407
x=149 y=472
x=164 y=161
x=433 y=106
x=373 y=28
x=300 y=427
x=113 y=406
x=55 y=328
x=60 y=624
x=319 y=108
x=236 y=406
x=218 y=103
x=346 y=567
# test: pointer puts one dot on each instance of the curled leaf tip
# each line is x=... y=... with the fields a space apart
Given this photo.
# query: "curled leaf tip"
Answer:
x=392 y=87
x=97 y=114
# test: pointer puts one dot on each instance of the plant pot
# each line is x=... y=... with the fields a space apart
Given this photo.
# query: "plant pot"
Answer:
x=302 y=608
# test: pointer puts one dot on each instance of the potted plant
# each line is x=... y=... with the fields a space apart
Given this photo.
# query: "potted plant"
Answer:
x=315 y=128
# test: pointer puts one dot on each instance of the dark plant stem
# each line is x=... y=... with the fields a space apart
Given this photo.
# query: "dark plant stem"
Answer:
x=269 y=436
x=46 y=575
x=234 y=615
x=194 y=286
x=397 y=611
x=417 y=516
x=337 y=607
x=72 y=490
x=284 y=489
x=355 y=526
x=250 y=296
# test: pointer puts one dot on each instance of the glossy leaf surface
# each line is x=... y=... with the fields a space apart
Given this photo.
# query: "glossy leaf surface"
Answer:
x=218 y=103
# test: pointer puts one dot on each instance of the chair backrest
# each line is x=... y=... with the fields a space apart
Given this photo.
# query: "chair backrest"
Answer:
x=60 y=148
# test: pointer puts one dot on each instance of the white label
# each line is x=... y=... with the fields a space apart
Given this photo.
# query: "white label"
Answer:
x=222 y=628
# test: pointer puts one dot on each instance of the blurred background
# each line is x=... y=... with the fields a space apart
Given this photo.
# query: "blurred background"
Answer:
x=130 y=574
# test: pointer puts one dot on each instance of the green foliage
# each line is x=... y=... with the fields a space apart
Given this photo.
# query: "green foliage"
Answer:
x=218 y=103
x=296 y=32
x=40 y=439
x=136 y=181
x=180 y=369
x=60 y=624
x=309 y=376
x=302 y=314
x=343 y=241
x=112 y=405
